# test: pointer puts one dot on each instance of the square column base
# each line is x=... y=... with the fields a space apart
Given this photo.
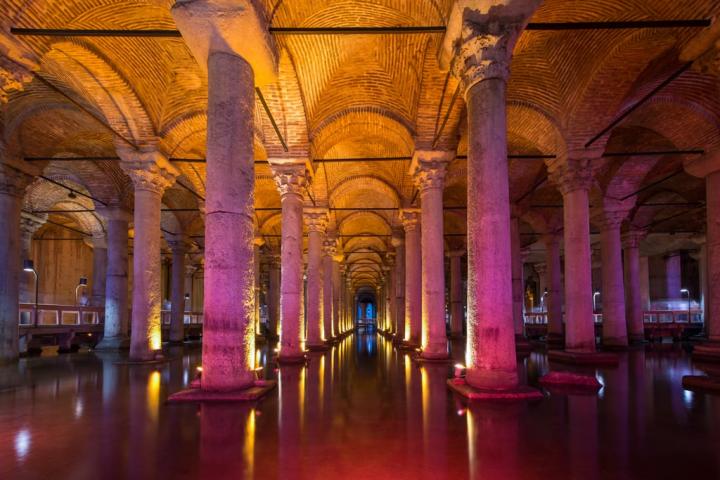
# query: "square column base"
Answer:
x=581 y=358
x=701 y=383
x=461 y=387
x=195 y=395
x=291 y=359
x=320 y=347
x=568 y=382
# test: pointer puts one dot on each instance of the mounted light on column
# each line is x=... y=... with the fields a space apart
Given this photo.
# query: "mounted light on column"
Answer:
x=82 y=283
x=29 y=266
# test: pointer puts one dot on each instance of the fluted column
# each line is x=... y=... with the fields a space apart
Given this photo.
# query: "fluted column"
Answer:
x=633 y=296
x=316 y=222
x=554 y=288
x=398 y=242
x=457 y=293
x=428 y=169
x=115 y=334
x=413 y=276
x=615 y=333
x=290 y=179
x=12 y=188
x=178 y=245
x=151 y=174
x=329 y=251
x=573 y=179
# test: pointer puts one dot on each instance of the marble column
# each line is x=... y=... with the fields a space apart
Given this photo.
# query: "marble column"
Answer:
x=274 y=297
x=398 y=242
x=553 y=300
x=178 y=246
x=29 y=224
x=151 y=173
x=99 y=273
x=413 y=276
x=258 y=242
x=290 y=179
x=337 y=283
x=316 y=222
x=329 y=251
x=457 y=294
x=428 y=169
x=116 y=328
x=12 y=188
x=673 y=275
x=633 y=297
x=614 y=326
x=516 y=262
x=573 y=178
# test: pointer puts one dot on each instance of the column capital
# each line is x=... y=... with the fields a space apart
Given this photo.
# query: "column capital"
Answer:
x=13 y=181
x=632 y=238
x=428 y=168
x=410 y=218
x=704 y=50
x=481 y=36
x=397 y=239
x=179 y=244
x=611 y=219
x=98 y=240
x=190 y=269
x=13 y=78
x=316 y=219
x=389 y=259
x=237 y=27
x=571 y=175
x=148 y=168
x=551 y=239
x=114 y=213
x=330 y=247
x=290 y=178
x=29 y=223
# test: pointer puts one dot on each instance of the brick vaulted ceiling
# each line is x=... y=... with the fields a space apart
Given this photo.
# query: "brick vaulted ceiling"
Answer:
x=342 y=96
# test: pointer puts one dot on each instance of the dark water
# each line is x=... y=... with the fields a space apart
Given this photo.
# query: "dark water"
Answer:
x=359 y=411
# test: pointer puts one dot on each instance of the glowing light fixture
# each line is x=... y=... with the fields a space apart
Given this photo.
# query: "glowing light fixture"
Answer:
x=29 y=266
x=459 y=370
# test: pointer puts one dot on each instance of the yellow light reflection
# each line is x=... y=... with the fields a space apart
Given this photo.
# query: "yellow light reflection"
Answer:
x=322 y=383
x=301 y=385
x=472 y=461
x=153 y=394
x=425 y=386
x=155 y=337
x=249 y=445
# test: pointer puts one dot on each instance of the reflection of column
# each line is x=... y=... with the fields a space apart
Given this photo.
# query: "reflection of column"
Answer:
x=434 y=407
x=316 y=222
x=633 y=296
x=151 y=174
x=329 y=250
x=99 y=274
x=116 y=282
x=29 y=224
x=12 y=188
x=457 y=313
x=553 y=300
x=673 y=278
x=177 y=291
x=516 y=263
x=573 y=179
x=494 y=441
x=614 y=326
x=290 y=179
x=428 y=169
x=291 y=399
x=399 y=285
x=413 y=276
x=227 y=440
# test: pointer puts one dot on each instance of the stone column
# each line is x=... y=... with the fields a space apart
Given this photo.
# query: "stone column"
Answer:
x=188 y=298
x=258 y=242
x=413 y=276
x=29 y=224
x=541 y=270
x=673 y=275
x=428 y=169
x=337 y=293
x=573 y=178
x=614 y=326
x=178 y=246
x=151 y=174
x=329 y=251
x=99 y=276
x=12 y=188
x=712 y=301
x=316 y=222
x=389 y=292
x=399 y=286
x=115 y=334
x=290 y=179
x=645 y=283
x=457 y=296
x=516 y=262
x=274 y=297
x=554 y=288
x=633 y=296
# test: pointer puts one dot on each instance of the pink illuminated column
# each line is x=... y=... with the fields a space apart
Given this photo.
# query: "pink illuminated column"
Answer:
x=673 y=275
x=399 y=285
x=390 y=285
x=274 y=297
x=258 y=242
x=633 y=297
x=115 y=333
x=413 y=276
x=712 y=301
x=12 y=188
x=457 y=293
x=428 y=168
x=290 y=179
x=573 y=179
x=316 y=222
x=329 y=250
x=517 y=277
x=177 y=290
x=553 y=300
x=337 y=292
x=151 y=174
x=613 y=290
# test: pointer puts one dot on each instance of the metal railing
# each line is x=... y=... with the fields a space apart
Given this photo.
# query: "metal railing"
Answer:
x=189 y=318
x=58 y=315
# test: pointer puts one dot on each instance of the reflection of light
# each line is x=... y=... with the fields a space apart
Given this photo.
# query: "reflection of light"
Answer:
x=425 y=388
x=22 y=444
x=472 y=460
x=321 y=382
x=199 y=368
x=249 y=445
x=461 y=412
x=458 y=370
x=155 y=337
x=78 y=408
x=258 y=358
x=688 y=398
x=153 y=394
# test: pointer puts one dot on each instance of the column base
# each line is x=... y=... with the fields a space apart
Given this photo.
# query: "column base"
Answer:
x=615 y=343
x=568 y=383
x=584 y=358
x=555 y=340
x=423 y=357
x=195 y=395
x=295 y=359
x=461 y=387
x=707 y=352
x=317 y=347
x=113 y=344
x=701 y=383
x=409 y=346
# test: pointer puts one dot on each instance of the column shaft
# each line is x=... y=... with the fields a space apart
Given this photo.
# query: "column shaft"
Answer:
x=554 y=286
x=456 y=295
x=327 y=298
x=633 y=304
x=274 y=300
x=10 y=206
x=315 y=326
x=413 y=280
x=177 y=293
x=613 y=290
x=712 y=321
x=673 y=275
x=517 y=277
x=399 y=288
x=99 y=276
x=116 y=284
x=434 y=339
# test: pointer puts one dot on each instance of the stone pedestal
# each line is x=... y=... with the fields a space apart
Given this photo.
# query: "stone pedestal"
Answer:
x=316 y=222
x=428 y=169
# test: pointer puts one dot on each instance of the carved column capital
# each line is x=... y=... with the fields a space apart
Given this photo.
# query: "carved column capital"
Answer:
x=291 y=179
x=632 y=238
x=179 y=244
x=330 y=247
x=428 y=168
x=148 y=168
x=571 y=176
x=410 y=218
x=13 y=78
x=316 y=219
x=540 y=268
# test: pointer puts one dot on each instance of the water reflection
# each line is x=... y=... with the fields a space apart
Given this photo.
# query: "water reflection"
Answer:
x=227 y=441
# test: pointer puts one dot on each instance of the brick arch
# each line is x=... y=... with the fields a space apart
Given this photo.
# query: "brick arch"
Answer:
x=352 y=190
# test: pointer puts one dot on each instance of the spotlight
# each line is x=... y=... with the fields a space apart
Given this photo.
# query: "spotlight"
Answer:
x=72 y=195
x=459 y=370
x=28 y=266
